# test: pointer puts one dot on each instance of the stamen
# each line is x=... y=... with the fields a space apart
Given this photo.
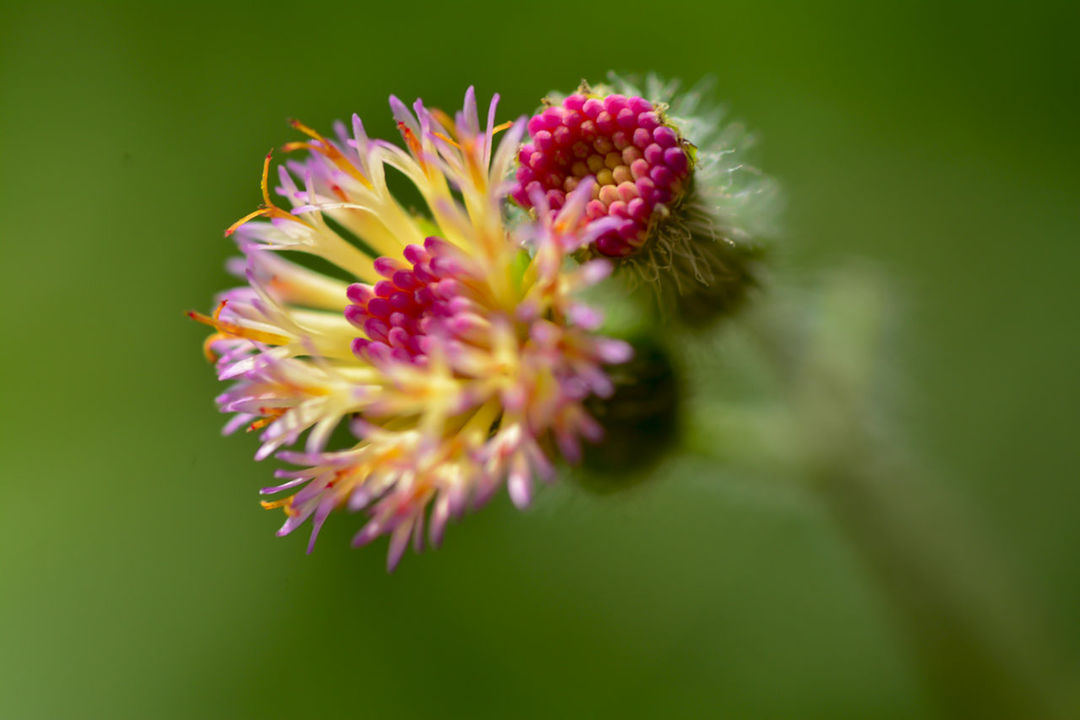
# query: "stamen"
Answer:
x=271 y=414
x=443 y=137
x=285 y=503
x=328 y=150
x=234 y=330
x=268 y=207
x=411 y=141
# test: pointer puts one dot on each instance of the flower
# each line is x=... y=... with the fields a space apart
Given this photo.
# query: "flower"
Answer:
x=459 y=357
x=688 y=211
x=640 y=164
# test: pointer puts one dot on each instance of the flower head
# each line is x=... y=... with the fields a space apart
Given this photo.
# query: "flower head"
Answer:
x=456 y=352
x=688 y=211
x=638 y=160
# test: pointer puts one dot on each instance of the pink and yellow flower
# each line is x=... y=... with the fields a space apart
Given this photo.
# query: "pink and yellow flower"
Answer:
x=640 y=163
x=684 y=210
x=456 y=351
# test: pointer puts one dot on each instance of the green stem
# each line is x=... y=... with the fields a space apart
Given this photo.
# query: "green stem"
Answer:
x=972 y=642
x=967 y=636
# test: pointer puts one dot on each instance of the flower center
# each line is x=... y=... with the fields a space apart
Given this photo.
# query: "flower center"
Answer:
x=640 y=164
x=417 y=299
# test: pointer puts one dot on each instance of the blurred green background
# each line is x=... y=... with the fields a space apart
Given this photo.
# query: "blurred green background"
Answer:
x=138 y=576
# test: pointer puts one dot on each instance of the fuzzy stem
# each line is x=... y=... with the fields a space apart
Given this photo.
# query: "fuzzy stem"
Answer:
x=971 y=640
x=977 y=658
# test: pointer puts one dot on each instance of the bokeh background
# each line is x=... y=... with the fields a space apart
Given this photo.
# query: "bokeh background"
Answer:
x=138 y=576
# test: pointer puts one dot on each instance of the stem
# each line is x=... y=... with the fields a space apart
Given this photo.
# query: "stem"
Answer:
x=972 y=641
x=975 y=654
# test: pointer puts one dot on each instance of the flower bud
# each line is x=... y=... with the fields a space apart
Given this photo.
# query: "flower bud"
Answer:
x=684 y=213
x=640 y=420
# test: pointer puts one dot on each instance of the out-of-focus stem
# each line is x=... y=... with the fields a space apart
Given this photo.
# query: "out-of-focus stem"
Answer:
x=970 y=640
x=961 y=616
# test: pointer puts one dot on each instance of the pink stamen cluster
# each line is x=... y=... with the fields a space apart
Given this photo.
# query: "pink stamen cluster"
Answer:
x=639 y=163
x=400 y=313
